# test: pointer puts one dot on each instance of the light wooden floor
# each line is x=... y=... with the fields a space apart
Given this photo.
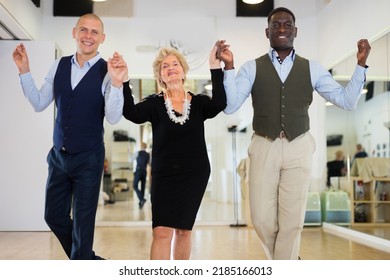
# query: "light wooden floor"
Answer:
x=380 y=231
x=209 y=243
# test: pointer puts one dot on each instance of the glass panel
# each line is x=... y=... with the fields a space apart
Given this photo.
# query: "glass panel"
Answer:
x=368 y=125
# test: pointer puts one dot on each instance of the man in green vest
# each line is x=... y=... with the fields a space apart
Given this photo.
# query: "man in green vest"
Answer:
x=281 y=84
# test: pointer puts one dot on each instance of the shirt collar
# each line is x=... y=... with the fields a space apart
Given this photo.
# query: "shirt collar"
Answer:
x=88 y=63
x=274 y=55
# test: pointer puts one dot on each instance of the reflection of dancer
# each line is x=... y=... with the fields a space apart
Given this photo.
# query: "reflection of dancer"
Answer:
x=360 y=152
x=243 y=171
x=281 y=84
x=142 y=158
x=84 y=93
x=180 y=164
x=336 y=167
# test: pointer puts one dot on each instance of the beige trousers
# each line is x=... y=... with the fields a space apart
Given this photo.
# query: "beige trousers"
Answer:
x=279 y=178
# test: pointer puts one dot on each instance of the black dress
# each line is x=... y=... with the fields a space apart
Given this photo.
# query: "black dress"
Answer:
x=180 y=164
x=335 y=169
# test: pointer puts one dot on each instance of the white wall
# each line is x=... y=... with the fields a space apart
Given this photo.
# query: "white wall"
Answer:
x=342 y=23
x=26 y=137
x=26 y=16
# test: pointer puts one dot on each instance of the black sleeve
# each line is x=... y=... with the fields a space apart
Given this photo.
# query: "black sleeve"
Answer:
x=137 y=113
x=217 y=102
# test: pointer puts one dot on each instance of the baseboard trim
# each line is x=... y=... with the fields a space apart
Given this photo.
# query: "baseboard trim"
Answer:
x=359 y=237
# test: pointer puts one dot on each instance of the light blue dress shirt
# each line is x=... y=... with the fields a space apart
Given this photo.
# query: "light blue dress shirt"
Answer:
x=40 y=99
x=238 y=87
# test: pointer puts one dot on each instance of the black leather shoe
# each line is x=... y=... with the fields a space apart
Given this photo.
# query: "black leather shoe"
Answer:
x=141 y=203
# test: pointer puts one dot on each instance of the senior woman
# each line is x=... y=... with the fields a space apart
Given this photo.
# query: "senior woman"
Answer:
x=180 y=164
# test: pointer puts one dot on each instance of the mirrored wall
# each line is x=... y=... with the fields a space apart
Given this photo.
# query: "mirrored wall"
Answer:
x=369 y=127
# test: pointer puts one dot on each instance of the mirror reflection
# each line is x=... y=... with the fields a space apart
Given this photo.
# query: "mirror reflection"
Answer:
x=363 y=137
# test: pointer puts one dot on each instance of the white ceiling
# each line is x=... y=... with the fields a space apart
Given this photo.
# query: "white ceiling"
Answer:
x=9 y=27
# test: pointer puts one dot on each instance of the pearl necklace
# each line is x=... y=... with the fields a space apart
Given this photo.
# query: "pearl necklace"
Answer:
x=171 y=112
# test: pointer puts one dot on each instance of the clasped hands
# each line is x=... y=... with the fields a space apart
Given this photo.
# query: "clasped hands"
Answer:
x=224 y=54
x=117 y=69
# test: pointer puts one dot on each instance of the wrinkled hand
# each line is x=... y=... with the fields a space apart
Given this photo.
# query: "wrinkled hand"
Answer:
x=225 y=54
x=214 y=61
x=117 y=69
x=364 y=49
x=20 y=58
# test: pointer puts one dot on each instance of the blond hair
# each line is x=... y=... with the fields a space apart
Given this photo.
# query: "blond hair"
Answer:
x=162 y=54
x=339 y=155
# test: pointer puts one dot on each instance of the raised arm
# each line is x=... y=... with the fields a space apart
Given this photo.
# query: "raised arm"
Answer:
x=214 y=59
x=137 y=113
x=364 y=49
x=218 y=100
x=117 y=69
x=224 y=54
x=41 y=98
x=20 y=58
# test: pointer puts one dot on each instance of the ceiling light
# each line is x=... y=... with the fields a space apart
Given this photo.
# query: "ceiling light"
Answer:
x=252 y=1
x=99 y=0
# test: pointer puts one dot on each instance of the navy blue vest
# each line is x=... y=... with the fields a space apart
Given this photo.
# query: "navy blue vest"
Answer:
x=80 y=112
x=142 y=159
